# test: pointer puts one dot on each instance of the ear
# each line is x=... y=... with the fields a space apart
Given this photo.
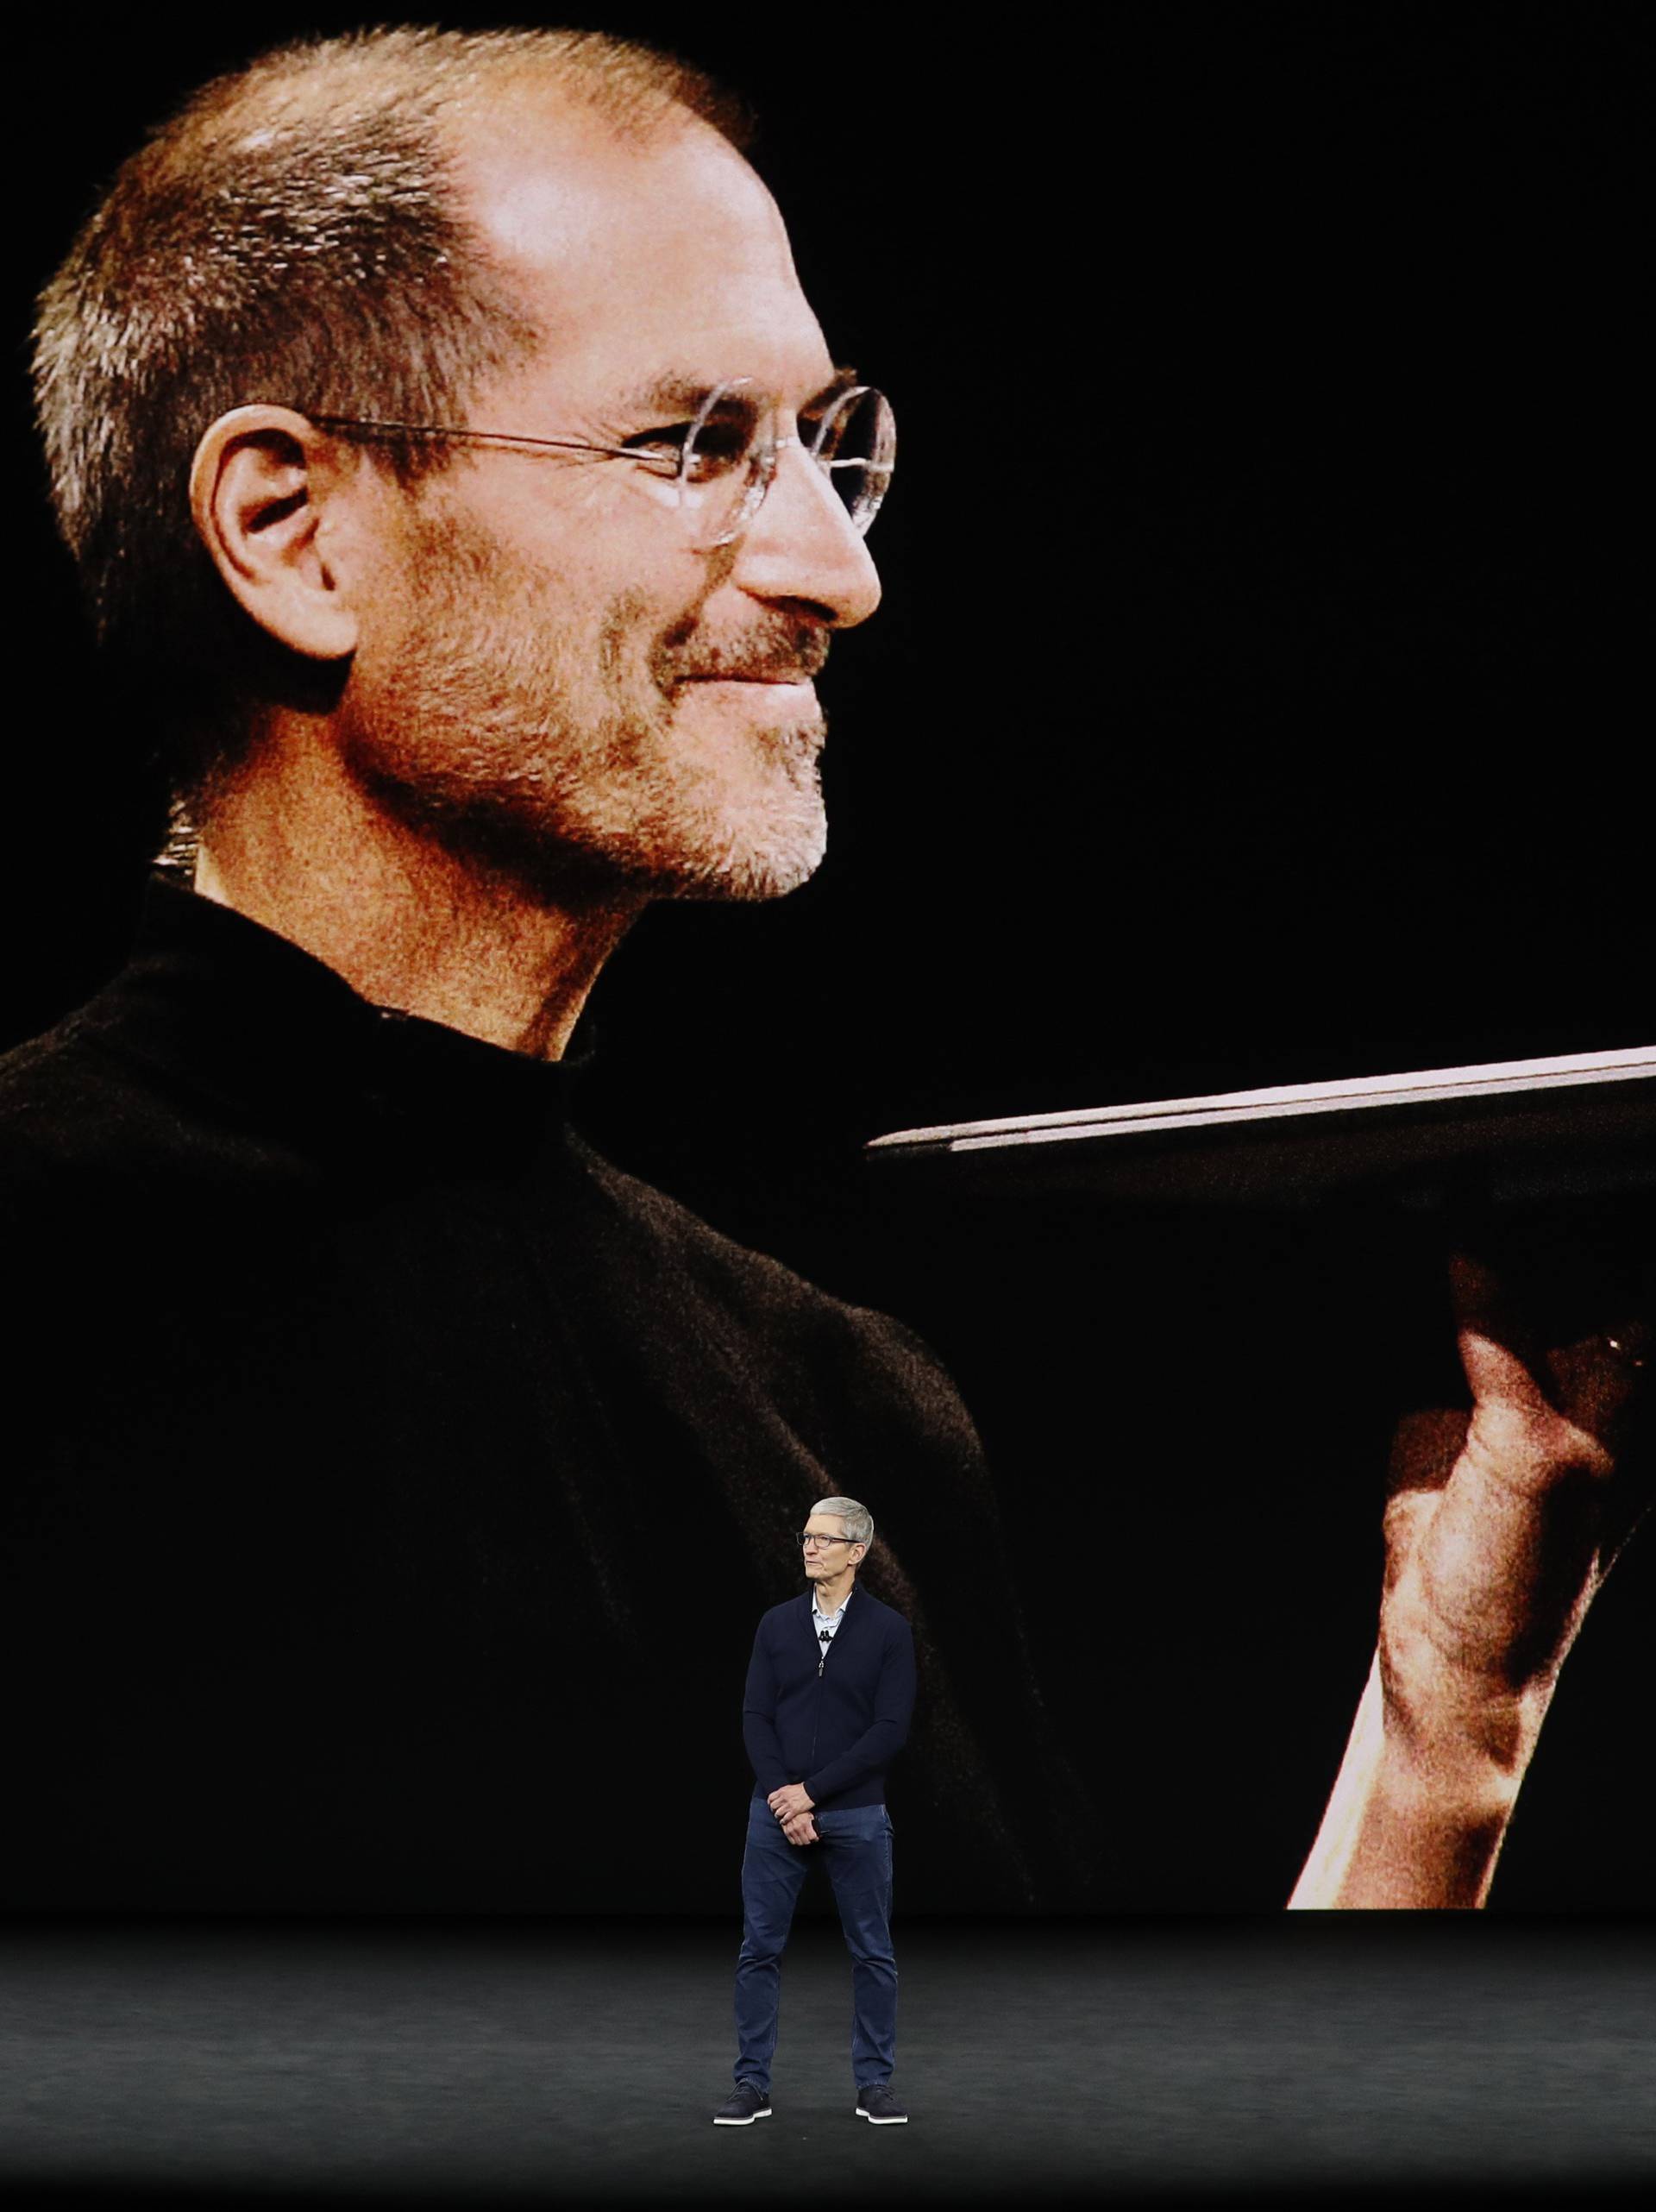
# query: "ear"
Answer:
x=269 y=496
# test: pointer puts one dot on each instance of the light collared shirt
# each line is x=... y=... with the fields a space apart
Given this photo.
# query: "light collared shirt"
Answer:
x=826 y=1626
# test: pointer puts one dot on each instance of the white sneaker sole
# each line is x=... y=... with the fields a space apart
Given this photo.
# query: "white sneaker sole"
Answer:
x=888 y=2120
x=720 y=2121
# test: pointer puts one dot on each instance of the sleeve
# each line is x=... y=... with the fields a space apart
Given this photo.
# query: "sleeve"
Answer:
x=887 y=1733
x=764 y=1746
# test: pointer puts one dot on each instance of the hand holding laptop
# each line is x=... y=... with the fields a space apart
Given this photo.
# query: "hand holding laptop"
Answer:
x=1501 y=1525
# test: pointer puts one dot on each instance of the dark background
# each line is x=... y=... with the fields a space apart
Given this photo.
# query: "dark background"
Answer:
x=1253 y=701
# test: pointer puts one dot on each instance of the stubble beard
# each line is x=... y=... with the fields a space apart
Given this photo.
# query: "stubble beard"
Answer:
x=556 y=759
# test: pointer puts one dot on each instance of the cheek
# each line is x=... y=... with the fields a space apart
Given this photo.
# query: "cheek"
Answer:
x=641 y=638
x=556 y=603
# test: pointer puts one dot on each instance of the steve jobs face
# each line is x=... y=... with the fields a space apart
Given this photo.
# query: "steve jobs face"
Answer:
x=560 y=661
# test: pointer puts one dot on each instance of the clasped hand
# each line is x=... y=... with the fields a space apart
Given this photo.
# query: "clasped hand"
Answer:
x=793 y=1807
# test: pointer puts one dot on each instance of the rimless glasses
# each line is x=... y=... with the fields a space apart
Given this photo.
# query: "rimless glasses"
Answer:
x=719 y=465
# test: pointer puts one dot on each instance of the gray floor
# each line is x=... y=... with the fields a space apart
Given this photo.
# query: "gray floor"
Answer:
x=1361 y=2059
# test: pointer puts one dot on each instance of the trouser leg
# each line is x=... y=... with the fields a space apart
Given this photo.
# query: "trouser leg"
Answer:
x=858 y=1847
x=773 y=1874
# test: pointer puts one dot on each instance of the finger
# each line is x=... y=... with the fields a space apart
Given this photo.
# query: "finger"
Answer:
x=1500 y=1347
x=1593 y=1379
x=1598 y=1379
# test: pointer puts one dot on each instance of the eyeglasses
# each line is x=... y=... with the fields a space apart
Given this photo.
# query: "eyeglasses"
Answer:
x=720 y=463
x=807 y=1540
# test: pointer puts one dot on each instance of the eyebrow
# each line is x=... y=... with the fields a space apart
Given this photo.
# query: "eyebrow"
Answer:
x=676 y=393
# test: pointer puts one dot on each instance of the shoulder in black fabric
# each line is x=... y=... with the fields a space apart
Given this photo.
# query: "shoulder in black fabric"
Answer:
x=384 y=1469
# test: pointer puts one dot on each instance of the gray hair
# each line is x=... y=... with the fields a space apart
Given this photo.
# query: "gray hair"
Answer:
x=857 y=1520
x=291 y=236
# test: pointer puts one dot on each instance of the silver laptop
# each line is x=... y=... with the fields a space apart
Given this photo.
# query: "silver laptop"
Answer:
x=1583 y=1121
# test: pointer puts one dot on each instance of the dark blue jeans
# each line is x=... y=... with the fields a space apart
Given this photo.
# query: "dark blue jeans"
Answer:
x=855 y=1845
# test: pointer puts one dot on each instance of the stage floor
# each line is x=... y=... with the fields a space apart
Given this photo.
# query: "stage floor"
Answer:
x=1303 y=2057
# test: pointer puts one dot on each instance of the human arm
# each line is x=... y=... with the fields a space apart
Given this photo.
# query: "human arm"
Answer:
x=1500 y=1529
x=764 y=1746
x=887 y=1733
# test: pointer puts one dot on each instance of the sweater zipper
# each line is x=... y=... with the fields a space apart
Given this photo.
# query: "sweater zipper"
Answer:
x=816 y=1721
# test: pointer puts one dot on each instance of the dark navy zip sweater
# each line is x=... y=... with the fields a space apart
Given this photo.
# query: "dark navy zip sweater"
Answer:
x=830 y=1716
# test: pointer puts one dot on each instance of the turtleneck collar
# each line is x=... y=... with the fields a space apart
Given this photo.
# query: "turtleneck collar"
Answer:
x=253 y=1019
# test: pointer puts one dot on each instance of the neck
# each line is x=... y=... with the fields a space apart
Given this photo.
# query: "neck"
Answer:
x=830 y=1596
x=406 y=922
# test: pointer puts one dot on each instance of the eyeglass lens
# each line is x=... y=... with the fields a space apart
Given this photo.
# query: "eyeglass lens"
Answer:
x=726 y=462
x=806 y=1541
x=729 y=456
x=856 y=447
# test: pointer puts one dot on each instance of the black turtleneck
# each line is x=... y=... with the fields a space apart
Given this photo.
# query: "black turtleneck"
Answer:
x=369 y=1428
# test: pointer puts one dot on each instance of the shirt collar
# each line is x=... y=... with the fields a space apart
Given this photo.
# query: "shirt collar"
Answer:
x=829 y=1618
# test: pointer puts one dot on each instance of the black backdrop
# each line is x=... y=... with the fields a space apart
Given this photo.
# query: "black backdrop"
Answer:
x=1253 y=701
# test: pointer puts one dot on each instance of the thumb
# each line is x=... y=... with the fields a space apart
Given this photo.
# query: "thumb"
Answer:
x=1592 y=1379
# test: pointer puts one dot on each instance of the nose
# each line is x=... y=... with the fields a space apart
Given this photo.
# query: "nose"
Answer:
x=801 y=549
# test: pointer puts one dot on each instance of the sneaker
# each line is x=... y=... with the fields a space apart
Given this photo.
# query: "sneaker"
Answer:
x=878 y=2104
x=746 y=2102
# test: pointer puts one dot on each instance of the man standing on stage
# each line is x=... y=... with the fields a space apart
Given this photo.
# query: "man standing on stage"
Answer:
x=830 y=1691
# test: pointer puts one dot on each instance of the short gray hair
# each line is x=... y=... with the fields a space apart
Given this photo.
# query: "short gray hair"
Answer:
x=857 y=1520
x=292 y=235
